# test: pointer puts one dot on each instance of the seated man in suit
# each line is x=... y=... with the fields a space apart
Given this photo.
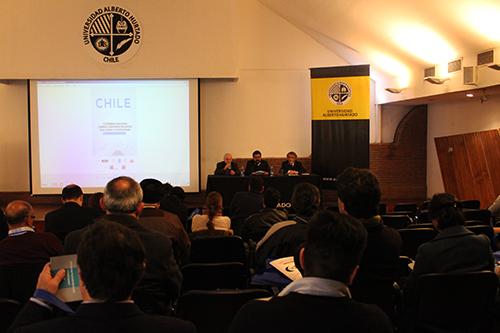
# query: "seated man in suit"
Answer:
x=162 y=278
x=111 y=260
x=291 y=166
x=227 y=167
x=71 y=216
x=257 y=165
x=320 y=301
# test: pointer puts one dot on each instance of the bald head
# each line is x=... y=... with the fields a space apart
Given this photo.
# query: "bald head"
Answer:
x=19 y=212
x=228 y=158
x=122 y=195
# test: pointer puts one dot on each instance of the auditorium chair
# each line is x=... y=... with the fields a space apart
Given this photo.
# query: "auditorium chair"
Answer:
x=414 y=237
x=18 y=281
x=213 y=310
x=8 y=311
x=478 y=215
x=212 y=276
x=455 y=302
x=210 y=249
x=484 y=230
x=420 y=225
x=396 y=221
x=470 y=204
x=406 y=207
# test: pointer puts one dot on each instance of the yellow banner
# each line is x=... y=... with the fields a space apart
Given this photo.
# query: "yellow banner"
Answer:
x=340 y=98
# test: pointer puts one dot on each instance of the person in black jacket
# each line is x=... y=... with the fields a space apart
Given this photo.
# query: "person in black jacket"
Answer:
x=291 y=166
x=227 y=167
x=162 y=278
x=111 y=260
x=320 y=301
x=257 y=165
x=71 y=216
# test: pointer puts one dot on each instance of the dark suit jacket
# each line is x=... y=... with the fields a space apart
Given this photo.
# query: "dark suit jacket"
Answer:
x=162 y=278
x=297 y=166
x=243 y=205
x=454 y=250
x=71 y=216
x=97 y=318
x=252 y=166
x=219 y=169
x=307 y=313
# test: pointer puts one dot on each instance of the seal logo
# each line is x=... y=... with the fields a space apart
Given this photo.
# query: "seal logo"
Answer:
x=112 y=34
x=339 y=93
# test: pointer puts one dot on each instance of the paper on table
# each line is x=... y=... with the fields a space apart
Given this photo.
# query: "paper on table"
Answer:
x=286 y=266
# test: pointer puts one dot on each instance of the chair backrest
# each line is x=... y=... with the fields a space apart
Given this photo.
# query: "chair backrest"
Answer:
x=19 y=281
x=420 y=226
x=406 y=207
x=478 y=214
x=212 y=276
x=414 y=237
x=218 y=249
x=396 y=221
x=470 y=204
x=213 y=311
x=455 y=300
x=8 y=311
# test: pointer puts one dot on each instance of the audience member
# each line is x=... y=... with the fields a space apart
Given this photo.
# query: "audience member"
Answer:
x=167 y=223
x=284 y=239
x=23 y=253
x=162 y=279
x=212 y=219
x=94 y=203
x=173 y=202
x=256 y=225
x=167 y=187
x=320 y=301
x=359 y=196
x=454 y=250
x=291 y=166
x=111 y=261
x=4 y=227
x=246 y=203
x=23 y=245
x=227 y=167
x=257 y=165
x=495 y=209
x=71 y=216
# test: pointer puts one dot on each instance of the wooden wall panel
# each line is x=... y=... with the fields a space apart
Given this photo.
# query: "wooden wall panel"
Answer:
x=470 y=165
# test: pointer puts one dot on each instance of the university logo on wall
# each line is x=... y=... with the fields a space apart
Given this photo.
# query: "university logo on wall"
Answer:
x=339 y=93
x=112 y=34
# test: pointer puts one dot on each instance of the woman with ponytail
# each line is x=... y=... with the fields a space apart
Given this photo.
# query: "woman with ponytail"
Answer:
x=212 y=220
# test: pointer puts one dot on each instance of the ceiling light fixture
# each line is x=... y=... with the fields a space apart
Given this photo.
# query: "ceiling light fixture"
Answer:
x=470 y=95
x=435 y=79
x=395 y=90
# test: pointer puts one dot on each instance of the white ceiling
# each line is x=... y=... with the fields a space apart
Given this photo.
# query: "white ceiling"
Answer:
x=398 y=38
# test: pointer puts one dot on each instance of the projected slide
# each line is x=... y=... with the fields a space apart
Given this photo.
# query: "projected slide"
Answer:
x=88 y=132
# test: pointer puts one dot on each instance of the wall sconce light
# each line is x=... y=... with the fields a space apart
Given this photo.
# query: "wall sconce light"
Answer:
x=435 y=79
x=395 y=90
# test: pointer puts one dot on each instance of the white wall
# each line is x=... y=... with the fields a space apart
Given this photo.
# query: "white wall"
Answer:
x=453 y=118
x=14 y=160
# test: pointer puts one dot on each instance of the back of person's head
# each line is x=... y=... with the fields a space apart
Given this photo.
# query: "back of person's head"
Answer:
x=94 y=202
x=334 y=246
x=305 y=199
x=17 y=211
x=167 y=187
x=213 y=206
x=446 y=210
x=111 y=261
x=152 y=190
x=71 y=192
x=256 y=184
x=271 y=197
x=122 y=195
x=359 y=191
x=178 y=192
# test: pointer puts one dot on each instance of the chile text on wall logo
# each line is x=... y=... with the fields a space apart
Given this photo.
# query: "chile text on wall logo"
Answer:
x=339 y=93
x=113 y=34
